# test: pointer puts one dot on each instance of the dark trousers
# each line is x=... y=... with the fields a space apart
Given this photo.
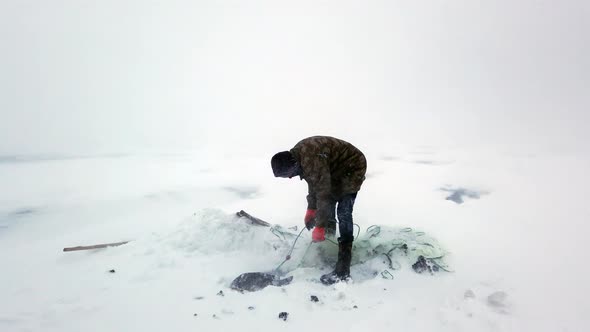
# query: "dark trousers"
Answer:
x=343 y=210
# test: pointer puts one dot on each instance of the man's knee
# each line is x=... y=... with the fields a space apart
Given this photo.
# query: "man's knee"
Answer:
x=345 y=206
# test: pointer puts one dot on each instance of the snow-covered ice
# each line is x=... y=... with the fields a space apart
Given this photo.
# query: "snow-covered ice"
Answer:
x=515 y=253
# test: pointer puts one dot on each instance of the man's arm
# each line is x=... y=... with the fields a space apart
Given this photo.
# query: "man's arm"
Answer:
x=311 y=198
x=320 y=189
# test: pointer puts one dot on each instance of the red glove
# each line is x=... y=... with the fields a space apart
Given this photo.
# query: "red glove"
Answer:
x=310 y=218
x=318 y=234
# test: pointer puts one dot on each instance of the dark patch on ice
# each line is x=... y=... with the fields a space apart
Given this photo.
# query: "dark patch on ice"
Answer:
x=425 y=162
x=469 y=294
x=166 y=195
x=371 y=175
x=7 y=220
x=13 y=216
x=424 y=150
x=10 y=159
x=521 y=155
x=151 y=196
x=227 y=312
x=497 y=299
x=10 y=321
x=18 y=158
x=243 y=192
x=431 y=162
x=390 y=158
x=457 y=194
x=23 y=211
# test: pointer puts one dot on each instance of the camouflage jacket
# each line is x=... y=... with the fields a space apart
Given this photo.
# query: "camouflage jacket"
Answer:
x=331 y=168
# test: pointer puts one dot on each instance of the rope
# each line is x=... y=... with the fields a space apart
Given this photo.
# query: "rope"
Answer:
x=288 y=257
x=330 y=240
x=304 y=254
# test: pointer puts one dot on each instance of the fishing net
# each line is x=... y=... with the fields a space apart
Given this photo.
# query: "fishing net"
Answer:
x=395 y=247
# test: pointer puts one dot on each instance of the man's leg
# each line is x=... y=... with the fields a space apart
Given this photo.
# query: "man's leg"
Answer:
x=346 y=225
x=342 y=269
x=330 y=224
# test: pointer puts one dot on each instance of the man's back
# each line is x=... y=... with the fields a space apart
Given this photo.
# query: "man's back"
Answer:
x=341 y=161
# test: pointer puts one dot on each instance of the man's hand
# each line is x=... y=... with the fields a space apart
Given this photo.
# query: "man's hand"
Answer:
x=318 y=234
x=310 y=218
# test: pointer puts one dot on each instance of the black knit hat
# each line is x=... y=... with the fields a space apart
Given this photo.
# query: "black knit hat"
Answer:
x=284 y=164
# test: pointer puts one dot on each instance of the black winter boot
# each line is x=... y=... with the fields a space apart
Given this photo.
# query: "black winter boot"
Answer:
x=342 y=269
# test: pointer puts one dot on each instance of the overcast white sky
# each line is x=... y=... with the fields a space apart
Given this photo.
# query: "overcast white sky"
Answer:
x=107 y=76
